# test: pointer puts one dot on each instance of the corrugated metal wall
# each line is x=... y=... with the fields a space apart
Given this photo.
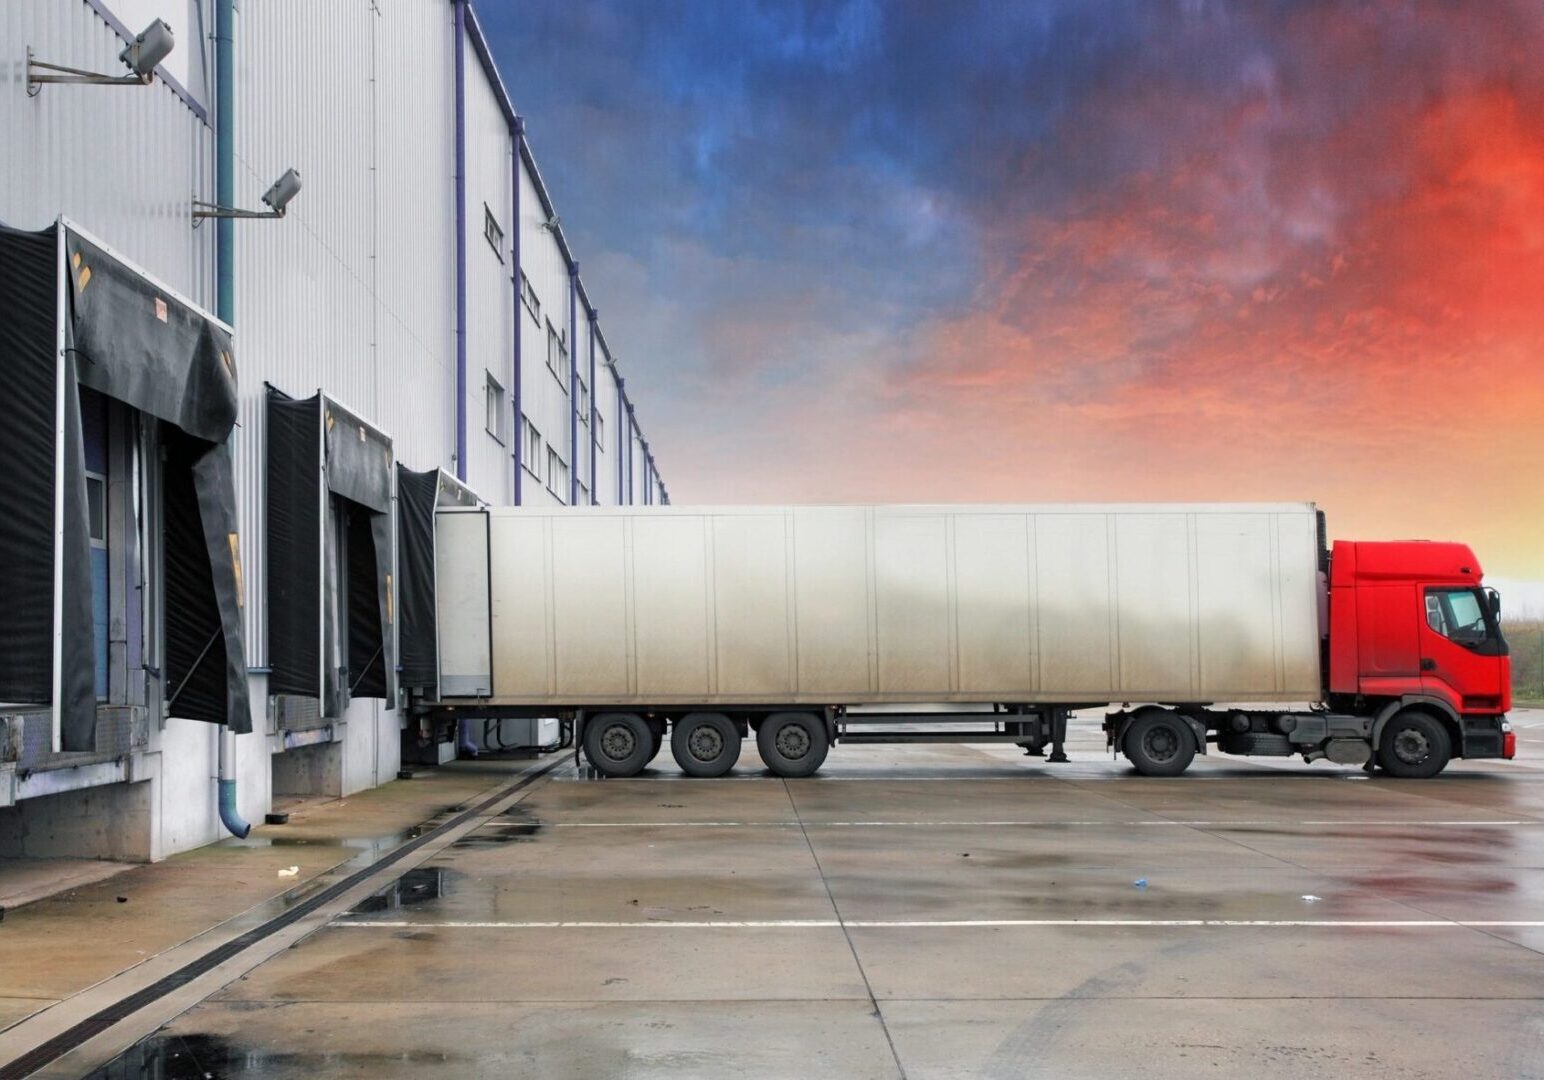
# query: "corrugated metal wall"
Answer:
x=546 y=395
x=352 y=292
x=490 y=297
x=125 y=162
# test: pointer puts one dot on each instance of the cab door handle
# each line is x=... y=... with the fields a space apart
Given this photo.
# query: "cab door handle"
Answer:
x=1428 y=664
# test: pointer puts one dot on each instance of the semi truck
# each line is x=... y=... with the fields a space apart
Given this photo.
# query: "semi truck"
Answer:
x=1227 y=626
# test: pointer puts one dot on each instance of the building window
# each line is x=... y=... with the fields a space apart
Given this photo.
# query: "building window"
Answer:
x=557 y=474
x=557 y=355
x=531 y=458
x=532 y=302
x=492 y=231
x=600 y=432
x=497 y=422
x=584 y=403
x=584 y=495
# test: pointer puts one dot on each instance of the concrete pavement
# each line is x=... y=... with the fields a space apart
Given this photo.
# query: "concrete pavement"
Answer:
x=931 y=911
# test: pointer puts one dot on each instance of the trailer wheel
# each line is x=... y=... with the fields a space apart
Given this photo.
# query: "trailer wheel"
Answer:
x=792 y=744
x=656 y=729
x=618 y=744
x=1414 y=745
x=705 y=744
x=1159 y=744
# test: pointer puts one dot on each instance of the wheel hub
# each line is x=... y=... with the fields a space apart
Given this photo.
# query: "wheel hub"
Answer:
x=1411 y=746
x=705 y=743
x=618 y=742
x=792 y=741
x=1160 y=744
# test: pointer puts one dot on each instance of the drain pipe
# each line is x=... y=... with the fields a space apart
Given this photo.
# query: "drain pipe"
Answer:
x=225 y=308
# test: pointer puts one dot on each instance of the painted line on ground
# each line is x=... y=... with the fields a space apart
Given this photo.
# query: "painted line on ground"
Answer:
x=881 y=924
x=1016 y=823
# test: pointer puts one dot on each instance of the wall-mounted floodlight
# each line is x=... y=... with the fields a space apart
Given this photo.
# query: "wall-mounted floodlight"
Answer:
x=552 y=223
x=277 y=197
x=141 y=56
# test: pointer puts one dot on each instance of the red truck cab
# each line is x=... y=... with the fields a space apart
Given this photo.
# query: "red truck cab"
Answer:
x=1411 y=625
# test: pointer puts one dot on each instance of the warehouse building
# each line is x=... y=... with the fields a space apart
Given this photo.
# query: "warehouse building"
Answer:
x=264 y=308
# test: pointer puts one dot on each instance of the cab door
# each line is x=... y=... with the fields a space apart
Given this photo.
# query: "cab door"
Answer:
x=1460 y=648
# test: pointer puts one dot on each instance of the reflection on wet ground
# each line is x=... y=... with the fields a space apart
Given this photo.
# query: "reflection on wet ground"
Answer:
x=947 y=910
x=213 y=1057
x=418 y=886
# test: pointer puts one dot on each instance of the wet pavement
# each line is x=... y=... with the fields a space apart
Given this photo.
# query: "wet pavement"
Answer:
x=927 y=911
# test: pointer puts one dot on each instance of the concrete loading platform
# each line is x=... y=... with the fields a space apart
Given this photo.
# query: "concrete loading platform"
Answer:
x=923 y=911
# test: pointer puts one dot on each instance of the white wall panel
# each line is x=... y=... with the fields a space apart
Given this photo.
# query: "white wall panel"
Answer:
x=125 y=162
x=353 y=292
x=490 y=295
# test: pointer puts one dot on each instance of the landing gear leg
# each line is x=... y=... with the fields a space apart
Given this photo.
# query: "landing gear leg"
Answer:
x=1058 y=736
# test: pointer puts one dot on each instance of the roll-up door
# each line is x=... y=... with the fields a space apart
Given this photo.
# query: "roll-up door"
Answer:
x=73 y=316
x=331 y=590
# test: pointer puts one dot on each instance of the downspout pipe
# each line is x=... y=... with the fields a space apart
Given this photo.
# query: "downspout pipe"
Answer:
x=225 y=308
x=517 y=135
x=594 y=495
x=573 y=383
x=460 y=107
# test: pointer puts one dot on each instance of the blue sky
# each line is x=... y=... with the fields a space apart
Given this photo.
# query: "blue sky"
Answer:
x=1169 y=249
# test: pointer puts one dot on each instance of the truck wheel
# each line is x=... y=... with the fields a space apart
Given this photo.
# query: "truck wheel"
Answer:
x=1159 y=744
x=705 y=744
x=792 y=744
x=618 y=744
x=657 y=730
x=1414 y=745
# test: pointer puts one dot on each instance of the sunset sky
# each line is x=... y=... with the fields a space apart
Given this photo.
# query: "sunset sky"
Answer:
x=1064 y=249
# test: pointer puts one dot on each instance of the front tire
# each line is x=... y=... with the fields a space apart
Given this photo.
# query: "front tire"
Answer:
x=705 y=744
x=618 y=744
x=793 y=744
x=1159 y=744
x=1414 y=746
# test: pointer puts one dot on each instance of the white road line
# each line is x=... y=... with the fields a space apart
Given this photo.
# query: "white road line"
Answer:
x=1013 y=823
x=879 y=924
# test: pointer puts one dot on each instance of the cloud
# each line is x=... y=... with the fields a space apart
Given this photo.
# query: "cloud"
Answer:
x=1197 y=250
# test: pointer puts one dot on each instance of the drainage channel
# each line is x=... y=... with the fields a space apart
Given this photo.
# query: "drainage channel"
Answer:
x=72 y=1038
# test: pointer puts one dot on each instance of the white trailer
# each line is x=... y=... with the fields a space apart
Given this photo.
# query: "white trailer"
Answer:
x=715 y=622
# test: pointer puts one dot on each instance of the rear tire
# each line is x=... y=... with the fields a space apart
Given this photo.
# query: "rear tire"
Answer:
x=618 y=744
x=705 y=744
x=793 y=744
x=1414 y=746
x=1159 y=744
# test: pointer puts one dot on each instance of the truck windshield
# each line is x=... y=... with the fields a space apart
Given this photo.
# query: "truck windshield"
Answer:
x=1459 y=615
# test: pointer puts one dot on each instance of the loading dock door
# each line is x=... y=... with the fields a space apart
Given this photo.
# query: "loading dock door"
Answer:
x=331 y=597
x=75 y=315
x=418 y=496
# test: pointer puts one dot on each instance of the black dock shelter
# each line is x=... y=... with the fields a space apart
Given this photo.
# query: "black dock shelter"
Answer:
x=78 y=320
x=419 y=495
x=331 y=597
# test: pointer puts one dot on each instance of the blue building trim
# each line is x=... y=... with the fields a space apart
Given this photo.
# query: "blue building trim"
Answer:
x=460 y=106
x=573 y=383
x=516 y=395
x=594 y=495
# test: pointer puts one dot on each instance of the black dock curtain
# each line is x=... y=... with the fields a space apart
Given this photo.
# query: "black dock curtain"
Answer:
x=417 y=496
x=127 y=339
x=331 y=597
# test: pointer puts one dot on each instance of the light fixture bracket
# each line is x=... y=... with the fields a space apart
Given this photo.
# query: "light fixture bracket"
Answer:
x=203 y=210
x=40 y=74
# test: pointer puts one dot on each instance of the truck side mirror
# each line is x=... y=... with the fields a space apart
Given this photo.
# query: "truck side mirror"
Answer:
x=1495 y=602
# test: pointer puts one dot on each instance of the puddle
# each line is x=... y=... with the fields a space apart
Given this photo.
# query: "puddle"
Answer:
x=215 y=1057
x=417 y=886
x=515 y=825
